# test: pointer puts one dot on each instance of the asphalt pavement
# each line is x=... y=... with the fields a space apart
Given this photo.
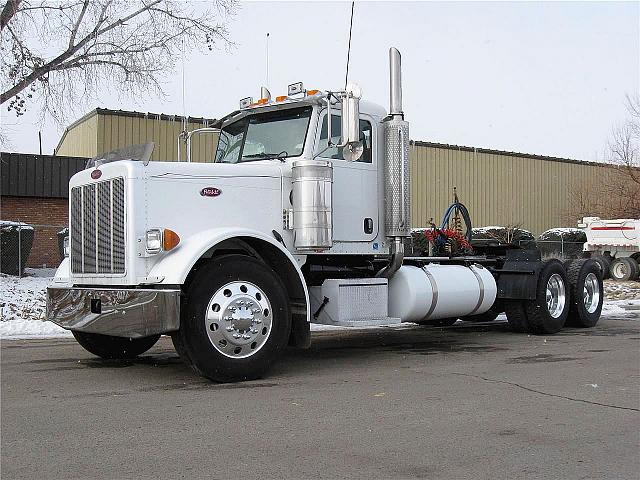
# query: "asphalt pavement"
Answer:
x=468 y=401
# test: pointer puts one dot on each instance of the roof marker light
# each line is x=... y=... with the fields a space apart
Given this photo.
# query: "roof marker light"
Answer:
x=262 y=101
x=281 y=98
x=312 y=92
x=295 y=88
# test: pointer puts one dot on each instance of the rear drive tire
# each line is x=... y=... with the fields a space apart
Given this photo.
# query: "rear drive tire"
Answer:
x=548 y=313
x=604 y=263
x=636 y=266
x=587 y=293
x=516 y=315
x=623 y=269
x=235 y=321
x=109 y=347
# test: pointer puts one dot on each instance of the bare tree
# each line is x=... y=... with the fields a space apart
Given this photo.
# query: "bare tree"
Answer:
x=616 y=193
x=60 y=52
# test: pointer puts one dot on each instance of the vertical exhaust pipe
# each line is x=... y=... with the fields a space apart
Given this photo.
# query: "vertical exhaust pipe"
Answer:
x=395 y=83
x=397 y=186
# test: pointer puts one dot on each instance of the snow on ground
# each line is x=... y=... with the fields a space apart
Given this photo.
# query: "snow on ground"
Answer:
x=22 y=306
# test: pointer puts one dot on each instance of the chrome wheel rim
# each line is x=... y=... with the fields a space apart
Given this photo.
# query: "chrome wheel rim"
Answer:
x=591 y=293
x=619 y=270
x=238 y=319
x=556 y=295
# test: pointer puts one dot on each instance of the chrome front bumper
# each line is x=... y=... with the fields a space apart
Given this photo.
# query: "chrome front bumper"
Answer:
x=131 y=313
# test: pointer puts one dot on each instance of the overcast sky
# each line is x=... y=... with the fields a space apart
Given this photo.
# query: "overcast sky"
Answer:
x=545 y=78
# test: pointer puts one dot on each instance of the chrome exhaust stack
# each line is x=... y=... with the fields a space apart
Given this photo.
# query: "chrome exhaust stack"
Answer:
x=395 y=83
x=397 y=184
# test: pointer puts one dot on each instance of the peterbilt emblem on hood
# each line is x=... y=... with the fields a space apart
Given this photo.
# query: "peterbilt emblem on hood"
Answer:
x=210 y=192
x=96 y=174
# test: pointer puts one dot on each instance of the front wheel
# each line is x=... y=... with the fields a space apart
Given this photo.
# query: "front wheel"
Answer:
x=235 y=320
x=110 y=347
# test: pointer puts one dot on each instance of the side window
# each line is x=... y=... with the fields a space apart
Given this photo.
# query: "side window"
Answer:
x=336 y=128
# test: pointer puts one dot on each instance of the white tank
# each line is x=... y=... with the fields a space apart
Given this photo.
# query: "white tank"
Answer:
x=440 y=291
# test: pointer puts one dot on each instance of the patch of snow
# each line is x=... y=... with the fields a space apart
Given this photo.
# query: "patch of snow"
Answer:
x=564 y=230
x=486 y=229
x=9 y=224
x=23 y=308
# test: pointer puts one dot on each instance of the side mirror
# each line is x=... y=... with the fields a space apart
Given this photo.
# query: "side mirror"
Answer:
x=351 y=123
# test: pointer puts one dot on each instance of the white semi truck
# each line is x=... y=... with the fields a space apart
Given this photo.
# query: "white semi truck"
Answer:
x=301 y=217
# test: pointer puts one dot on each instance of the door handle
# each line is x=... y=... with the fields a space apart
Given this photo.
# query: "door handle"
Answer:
x=368 y=225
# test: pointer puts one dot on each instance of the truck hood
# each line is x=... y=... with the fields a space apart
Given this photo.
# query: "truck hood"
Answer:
x=131 y=169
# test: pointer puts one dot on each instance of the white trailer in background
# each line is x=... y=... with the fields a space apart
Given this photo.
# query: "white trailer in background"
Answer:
x=615 y=245
x=300 y=217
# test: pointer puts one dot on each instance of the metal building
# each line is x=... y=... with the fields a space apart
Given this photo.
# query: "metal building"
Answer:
x=103 y=130
x=499 y=188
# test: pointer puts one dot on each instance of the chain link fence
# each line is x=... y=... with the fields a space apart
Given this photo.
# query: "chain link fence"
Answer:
x=25 y=245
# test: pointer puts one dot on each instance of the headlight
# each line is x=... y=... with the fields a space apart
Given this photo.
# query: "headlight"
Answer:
x=65 y=246
x=154 y=241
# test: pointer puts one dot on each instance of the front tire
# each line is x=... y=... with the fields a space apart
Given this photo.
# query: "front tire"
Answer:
x=109 y=347
x=235 y=321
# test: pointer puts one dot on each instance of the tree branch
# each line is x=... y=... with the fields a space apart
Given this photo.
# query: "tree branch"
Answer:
x=9 y=10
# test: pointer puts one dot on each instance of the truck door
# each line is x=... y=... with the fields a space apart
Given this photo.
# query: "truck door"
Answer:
x=355 y=202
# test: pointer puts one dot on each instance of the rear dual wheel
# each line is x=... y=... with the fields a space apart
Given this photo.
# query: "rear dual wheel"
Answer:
x=587 y=293
x=548 y=312
x=571 y=296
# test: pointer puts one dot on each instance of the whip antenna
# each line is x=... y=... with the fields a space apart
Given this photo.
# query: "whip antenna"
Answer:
x=346 y=76
x=267 y=63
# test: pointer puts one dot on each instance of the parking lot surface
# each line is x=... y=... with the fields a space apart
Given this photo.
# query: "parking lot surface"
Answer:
x=469 y=401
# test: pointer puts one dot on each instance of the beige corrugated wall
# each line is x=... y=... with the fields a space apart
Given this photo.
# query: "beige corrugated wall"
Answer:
x=80 y=140
x=498 y=189
x=116 y=131
x=100 y=133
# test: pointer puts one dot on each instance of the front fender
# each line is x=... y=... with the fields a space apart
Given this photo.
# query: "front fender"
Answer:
x=176 y=265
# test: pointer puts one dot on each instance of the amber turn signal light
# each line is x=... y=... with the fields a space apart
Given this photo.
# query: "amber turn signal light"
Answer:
x=170 y=240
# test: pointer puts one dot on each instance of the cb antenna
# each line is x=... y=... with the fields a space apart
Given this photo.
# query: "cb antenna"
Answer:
x=266 y=82
x=346 y=76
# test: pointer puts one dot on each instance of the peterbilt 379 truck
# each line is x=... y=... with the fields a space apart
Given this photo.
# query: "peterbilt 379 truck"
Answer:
x=301 y=217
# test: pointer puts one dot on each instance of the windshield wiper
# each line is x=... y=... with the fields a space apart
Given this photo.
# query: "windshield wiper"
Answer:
x=268 y=156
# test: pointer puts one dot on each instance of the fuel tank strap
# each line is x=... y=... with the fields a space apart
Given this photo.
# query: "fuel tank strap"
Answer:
x=434 y=289
x=481 y=297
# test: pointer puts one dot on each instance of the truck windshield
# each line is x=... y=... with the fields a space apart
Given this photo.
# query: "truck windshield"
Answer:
x=276 y=134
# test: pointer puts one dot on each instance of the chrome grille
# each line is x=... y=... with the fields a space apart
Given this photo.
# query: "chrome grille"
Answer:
x=97 y=228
